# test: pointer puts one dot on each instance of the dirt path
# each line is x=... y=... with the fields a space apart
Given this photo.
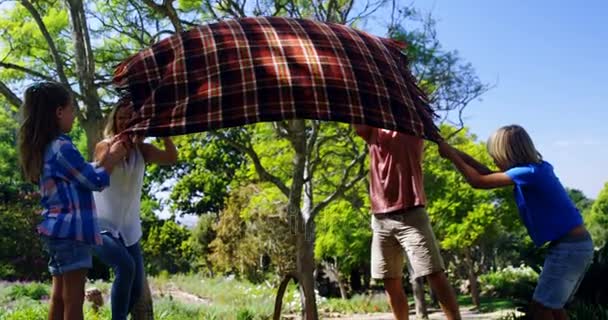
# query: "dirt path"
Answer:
x=467 y=314
x=175 y=293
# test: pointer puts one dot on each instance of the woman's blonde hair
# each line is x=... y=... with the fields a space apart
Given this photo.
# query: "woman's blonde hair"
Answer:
x=109 y=130
x=511 y=146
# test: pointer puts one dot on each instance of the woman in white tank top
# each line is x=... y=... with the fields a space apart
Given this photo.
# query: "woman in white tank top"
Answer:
x=118 y=210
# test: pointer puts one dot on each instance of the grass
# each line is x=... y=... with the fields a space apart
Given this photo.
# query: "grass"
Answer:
x=16 y=291
x=356 y=304
x=488 y=304
x=223 y=298
x=228 y=295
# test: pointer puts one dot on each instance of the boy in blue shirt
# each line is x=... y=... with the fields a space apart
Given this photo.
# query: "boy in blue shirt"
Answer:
x=545 y=209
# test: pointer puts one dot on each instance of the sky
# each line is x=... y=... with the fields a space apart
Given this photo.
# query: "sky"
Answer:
x=548 y=61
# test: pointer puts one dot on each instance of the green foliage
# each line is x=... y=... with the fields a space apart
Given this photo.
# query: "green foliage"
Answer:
x=166 y=247
x=253 y=228
x=20 y=249
x=11 y=181
x=200 y=241
x=343 y=234
x=509 y=282
x=79 y=138
x=207 y=166
x=24 y=41
x=598 y=218
x=461 y=215
x=580 y=199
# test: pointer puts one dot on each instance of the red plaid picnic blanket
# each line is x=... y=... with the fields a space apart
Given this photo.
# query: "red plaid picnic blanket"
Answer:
x=241 y=71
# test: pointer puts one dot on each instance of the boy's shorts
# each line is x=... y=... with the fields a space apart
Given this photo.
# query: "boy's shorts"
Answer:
x=67 y=255
x=409 y=230
x=563 y=271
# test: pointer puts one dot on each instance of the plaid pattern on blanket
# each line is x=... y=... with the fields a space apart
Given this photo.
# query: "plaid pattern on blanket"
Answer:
x=242 y=71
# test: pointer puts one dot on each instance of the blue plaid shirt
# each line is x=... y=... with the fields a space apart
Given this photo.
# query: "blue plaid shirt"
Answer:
x=66 y=186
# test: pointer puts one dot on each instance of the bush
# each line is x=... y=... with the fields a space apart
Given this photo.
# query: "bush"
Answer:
x=584 y=311
x=35 y=291
x=593 y=288
x=21 y=254
x=510 y=282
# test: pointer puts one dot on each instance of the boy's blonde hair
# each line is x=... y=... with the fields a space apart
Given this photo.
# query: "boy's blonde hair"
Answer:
x=511 y=146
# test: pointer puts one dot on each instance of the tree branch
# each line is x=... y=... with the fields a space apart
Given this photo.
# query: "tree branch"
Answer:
x=331 y=7
x=26 y=70
x=161 y=32
x=370 y=8
x=231 y=8
x=281 y=129
x=37 y=74
x=121 y=29
x=347 y=11
x=344 y=186
x=311 y=141
x=167 y=10
x=262 y=172
x=211 y=10
x=10 y=96
x=49 y=40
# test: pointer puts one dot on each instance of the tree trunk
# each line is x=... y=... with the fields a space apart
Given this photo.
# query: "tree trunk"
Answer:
x=278 y=302
x=332 y=271
x=93 y=129
x=91 y=118
x=143 y=310
x=420 y=302
x=343 y=290
x=305 y=269
x=303 y=222
x=472 y=275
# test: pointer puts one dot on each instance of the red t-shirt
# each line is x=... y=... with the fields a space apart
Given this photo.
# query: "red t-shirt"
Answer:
x=396 y=180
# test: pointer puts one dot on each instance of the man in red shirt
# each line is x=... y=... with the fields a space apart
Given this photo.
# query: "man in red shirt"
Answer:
x=400 y=221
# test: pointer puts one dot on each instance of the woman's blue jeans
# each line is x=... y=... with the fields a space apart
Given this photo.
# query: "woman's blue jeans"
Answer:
x=128 y=266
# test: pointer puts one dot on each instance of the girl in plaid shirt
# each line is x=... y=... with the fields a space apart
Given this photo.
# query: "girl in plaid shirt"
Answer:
x=69 y=223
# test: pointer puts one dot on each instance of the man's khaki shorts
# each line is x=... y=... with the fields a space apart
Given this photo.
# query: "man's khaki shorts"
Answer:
x=406 y=229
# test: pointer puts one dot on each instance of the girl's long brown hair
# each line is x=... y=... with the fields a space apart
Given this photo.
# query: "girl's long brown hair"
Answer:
x=39 y=125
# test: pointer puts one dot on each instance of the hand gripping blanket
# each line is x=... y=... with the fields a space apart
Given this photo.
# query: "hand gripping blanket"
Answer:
x=241 y=71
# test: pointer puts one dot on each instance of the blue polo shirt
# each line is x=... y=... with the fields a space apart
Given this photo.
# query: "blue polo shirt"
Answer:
x=544 y=205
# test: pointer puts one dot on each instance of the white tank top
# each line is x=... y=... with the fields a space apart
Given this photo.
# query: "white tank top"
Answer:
x=118 y=206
